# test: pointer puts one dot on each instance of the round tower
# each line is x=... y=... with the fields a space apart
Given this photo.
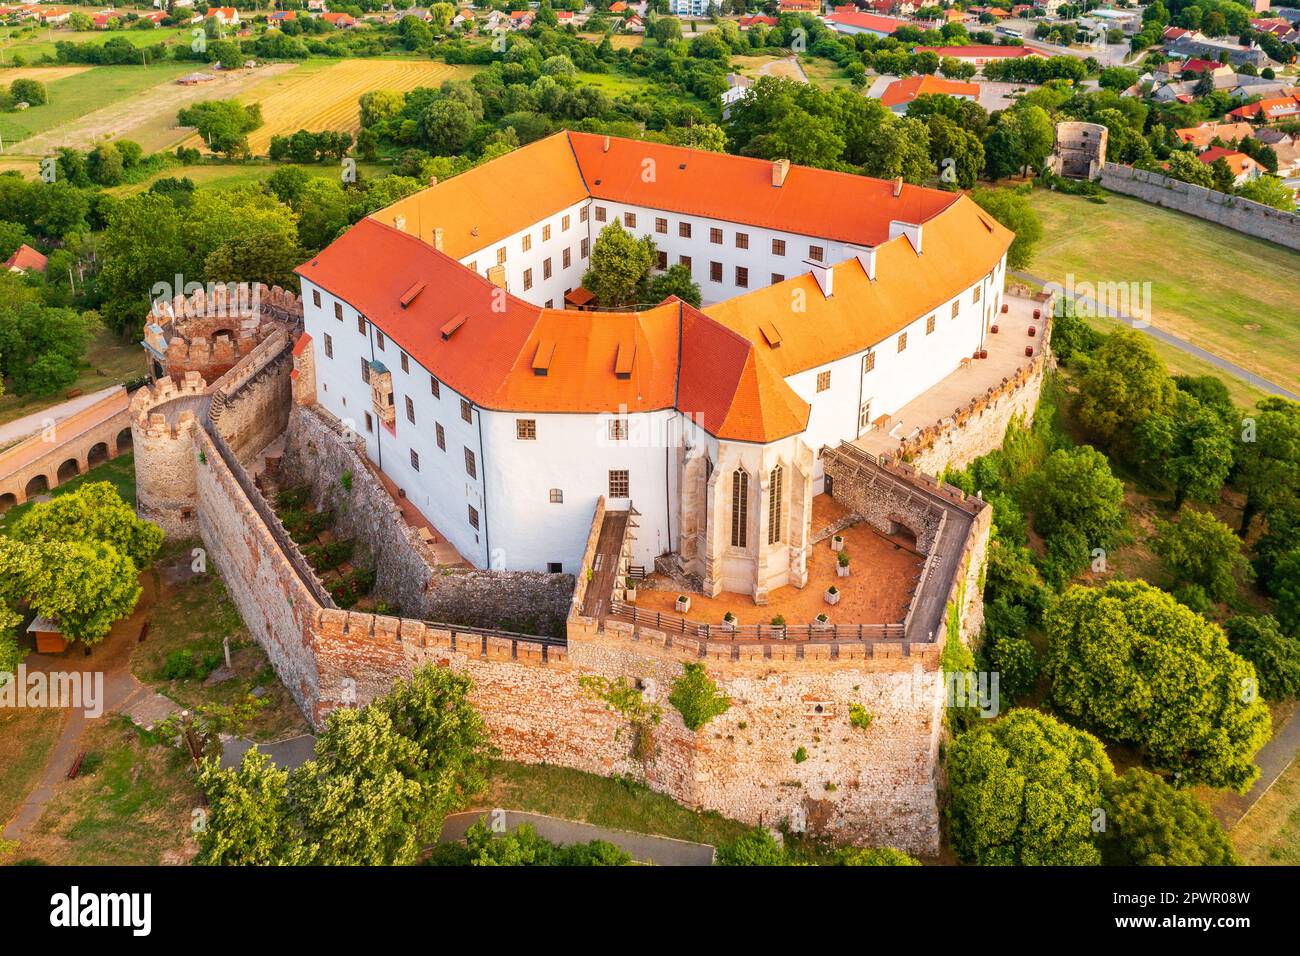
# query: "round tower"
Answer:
x=163 y=419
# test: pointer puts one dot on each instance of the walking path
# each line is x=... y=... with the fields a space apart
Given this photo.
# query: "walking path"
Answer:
x=1181 y=344
x=31 y=424
x=642 y=847
x=1273 y=759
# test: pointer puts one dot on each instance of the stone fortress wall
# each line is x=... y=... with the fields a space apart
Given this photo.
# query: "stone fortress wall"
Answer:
x=872 y=786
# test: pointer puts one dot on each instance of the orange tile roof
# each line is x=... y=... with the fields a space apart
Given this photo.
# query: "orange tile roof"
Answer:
x=960 y=246
x=1202 y=136
x=1237 y=161
x=27 y=259
x=908 y=89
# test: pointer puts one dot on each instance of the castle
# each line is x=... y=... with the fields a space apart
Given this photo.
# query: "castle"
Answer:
x=411 y=392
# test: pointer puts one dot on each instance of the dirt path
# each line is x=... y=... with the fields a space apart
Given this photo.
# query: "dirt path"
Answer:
x=121 y=118
x=122 y=693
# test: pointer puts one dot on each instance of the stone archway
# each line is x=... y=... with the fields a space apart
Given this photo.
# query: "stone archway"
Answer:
x=38 y=485
x=7 y=501
x=67 y=471
x=124 y=441
x=97 y=455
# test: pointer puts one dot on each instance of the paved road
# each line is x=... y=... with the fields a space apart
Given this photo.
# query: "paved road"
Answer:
x=1181 y=344
x=31 y=424
x=1273 y=759
x=642 y=847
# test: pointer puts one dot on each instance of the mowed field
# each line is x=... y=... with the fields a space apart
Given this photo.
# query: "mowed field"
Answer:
x=1231 y=294
x=323 y=94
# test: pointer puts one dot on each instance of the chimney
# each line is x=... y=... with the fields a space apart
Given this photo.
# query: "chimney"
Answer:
x=780 y=169
x=605 y=148
x=824 y=275
x=909 y=229
x=898 y=187
x=399 y=223
x=437 y=238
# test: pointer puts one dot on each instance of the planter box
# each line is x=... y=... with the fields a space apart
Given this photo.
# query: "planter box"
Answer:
x=831 y=598
x=837 y=542
x=820 y=625
x=629 y=595
x=683 y=605
x=729 y=625
x=842 y=570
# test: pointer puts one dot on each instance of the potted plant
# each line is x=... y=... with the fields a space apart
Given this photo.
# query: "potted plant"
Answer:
x=729 y=621
x=832 y=595
x=683 y=604
x=821 y=622
x=842 y=564
x=629 y=592
x=837 y=542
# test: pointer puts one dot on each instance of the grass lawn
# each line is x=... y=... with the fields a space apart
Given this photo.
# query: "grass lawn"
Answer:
x=1270 y=833
x=41 y=43
x=120 y=472
x=26 y=737
x=217 y=175
x=131 y=805
x=824 y=72
x=75 y=96
x=109 y=361
x=603 y=801
x=191 y=615
x=1227 y=292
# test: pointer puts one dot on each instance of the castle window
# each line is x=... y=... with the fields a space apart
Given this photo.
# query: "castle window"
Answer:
x=415 y=460
x=365 y=371
x=686 y=261
x=338 y=311
x=440 y=435
x=329 y=347
x=956 y=306
x=566 y=257
x=715 y=236
x=526 y=429
x=370 y=423
x=868 y=362
x=715 y=271
x=471 y=466
x=501 y=256
x=617 y=429
x=600 y=213
x=777 y=277
x=975 y=296
x=774 y=498
x=582 y=214
x=902 y=342
x=546 y=232
x=619 y=484
x=473 y=266
x=434 y=388
x=410 y=410
x=864 y=417
x=661 y=259
x=684 y=230
x=546 y=268
x=465 y=411
x=315 y=297
x=586 y=248
x=929 y=325
x=361 y=323
x=379 y=340
x=816 y=253
x=406 y=364
x=473 y=517
x=528 y=279
x=824 y=381
x=629 y=220
x=739 y=509
x=555 y=567
x=661 y=225
x=742 y=277
x=557 y=496
x=564 y=223
x=778 y=247
x=527 y=241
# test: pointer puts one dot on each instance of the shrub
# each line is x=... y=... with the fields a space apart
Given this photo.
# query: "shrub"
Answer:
x=696 y=697
x=859 y=716
x=756 y=848
x=801 y=754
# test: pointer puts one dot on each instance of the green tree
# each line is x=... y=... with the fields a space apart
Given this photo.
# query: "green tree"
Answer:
x=1276 y=656
x=1023 y=138
x=1074 y=490
x=874 y=856
x=1142 y=669
x=445 y=126
x=86 y=586
x=1271 y=191
x=251 y=818
x=1200 y=549
x=1023 y=791
x=756 y=848
x=1190 y=448
x=223 y=124
x=1149 y=823
x=1012 y=210
x=524 y=847
x=619 y=265
x=93 y=512
x=675 y=281
x=957 y=153
x=1186 y=167
x=1269 y=466
x=41 y=348
x=1123 y=386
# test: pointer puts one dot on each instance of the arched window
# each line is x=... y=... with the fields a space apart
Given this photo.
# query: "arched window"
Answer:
x=739 y=509
x=774 y=499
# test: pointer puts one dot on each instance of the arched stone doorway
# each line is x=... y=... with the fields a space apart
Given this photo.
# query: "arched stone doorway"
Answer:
x=97 y=455
x=124 y=441
x=7 y=501
x=68 y=470
x=37 y=486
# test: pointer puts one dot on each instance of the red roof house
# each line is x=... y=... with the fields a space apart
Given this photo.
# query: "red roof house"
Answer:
x=27 y=259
